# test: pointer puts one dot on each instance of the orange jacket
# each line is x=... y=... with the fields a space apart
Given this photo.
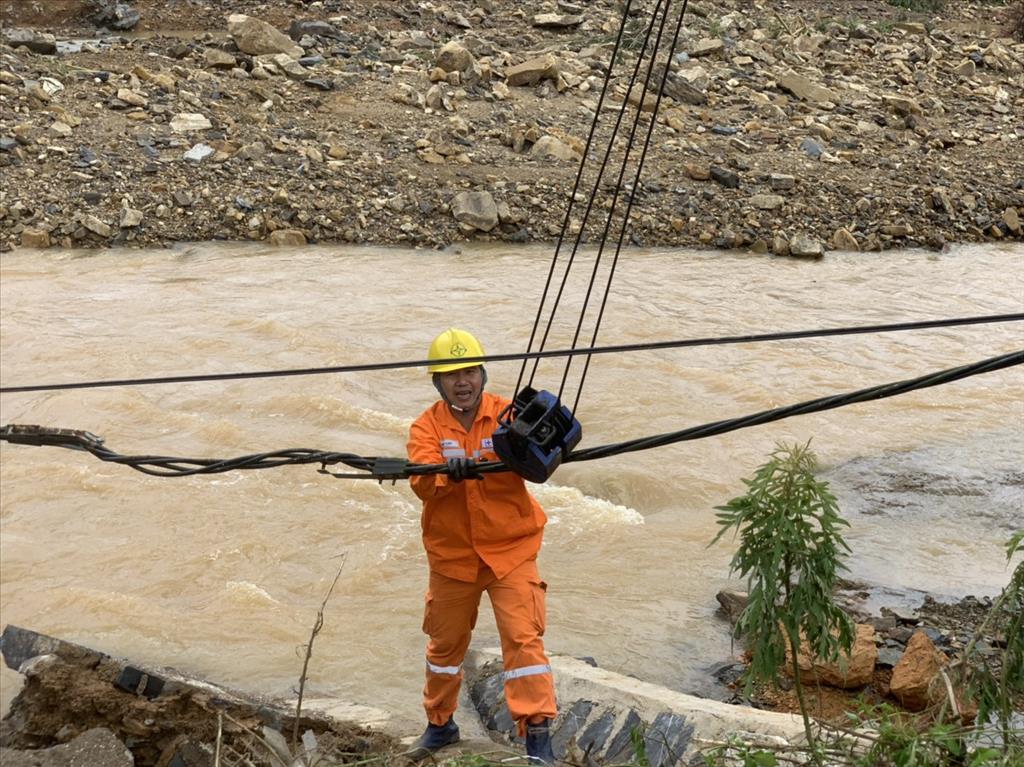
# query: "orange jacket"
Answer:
x=494 y=519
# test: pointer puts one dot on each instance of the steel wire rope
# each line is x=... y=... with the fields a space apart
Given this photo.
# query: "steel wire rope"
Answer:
x=596 y=188
x=575 y=188
x=553 y=353
x=629 y=203
x=394 y=468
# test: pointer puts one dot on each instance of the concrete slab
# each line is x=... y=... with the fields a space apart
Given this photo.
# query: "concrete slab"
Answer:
x=607 y=715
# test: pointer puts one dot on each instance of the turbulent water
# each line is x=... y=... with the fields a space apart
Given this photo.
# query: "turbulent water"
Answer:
x=222 y=576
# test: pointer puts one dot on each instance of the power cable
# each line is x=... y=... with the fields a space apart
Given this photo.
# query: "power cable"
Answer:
x=618 y=184
x=629 y=204
x=384 y=468
x=575 y=188
x=614 y=349
x=593 y=194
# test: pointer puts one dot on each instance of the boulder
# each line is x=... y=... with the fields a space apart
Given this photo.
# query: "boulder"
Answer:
x=532 y=71
x=96 y=226
x=198 y=153
x=97 y=747
x=767 y=201
x=130 y=217
x=849 y=671
x=732 y=603
x=313 y=28
x=453 y=57
x=476 y=210
x=913 y=675
x=256 y=37
x=549 y=146
x=215 y=58
x=706 y=47
x=842 y=239
x=287 y=238
x=37 y=42
x=805 y=246
x=1012 y=220
x=118 y=16
x=781 y=182
x=557 y=20
x=283 y=63
x=35 y=238
x=186 y=122
x=804 y=89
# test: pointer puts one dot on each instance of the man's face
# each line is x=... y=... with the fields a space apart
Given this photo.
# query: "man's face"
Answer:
x=462 y=387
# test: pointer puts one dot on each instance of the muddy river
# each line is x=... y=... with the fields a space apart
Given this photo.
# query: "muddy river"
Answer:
x=222 y=576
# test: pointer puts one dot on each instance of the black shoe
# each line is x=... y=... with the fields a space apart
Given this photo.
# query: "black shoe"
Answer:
x=538 y=744
x=435 y=737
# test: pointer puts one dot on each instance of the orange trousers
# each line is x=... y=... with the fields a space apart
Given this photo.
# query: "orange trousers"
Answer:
x=449 y=619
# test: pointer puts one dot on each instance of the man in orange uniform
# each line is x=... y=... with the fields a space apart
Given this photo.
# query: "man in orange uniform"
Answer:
x=480 y=535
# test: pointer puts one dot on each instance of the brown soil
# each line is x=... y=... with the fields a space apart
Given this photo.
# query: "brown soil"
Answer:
x=64 y=698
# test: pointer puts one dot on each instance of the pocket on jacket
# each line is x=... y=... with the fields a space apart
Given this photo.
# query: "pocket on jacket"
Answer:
x=428 y=605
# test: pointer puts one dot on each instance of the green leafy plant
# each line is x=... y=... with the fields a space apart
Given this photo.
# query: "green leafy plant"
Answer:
x=790 y=552
x=996 y=687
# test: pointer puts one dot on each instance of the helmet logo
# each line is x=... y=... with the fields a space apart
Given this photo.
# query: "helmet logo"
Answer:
x=458 y=350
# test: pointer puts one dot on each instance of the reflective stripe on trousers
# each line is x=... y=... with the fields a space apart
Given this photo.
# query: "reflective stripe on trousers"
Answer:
x=449 y=617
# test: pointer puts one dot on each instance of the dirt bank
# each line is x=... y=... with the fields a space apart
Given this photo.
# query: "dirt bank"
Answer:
x=786 y=127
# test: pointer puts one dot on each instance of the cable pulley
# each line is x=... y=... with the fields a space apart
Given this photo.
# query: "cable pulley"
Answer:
x=535 y=433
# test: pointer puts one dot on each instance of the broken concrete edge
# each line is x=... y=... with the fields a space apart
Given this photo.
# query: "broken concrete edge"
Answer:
x=631 y=703
x=24 y=649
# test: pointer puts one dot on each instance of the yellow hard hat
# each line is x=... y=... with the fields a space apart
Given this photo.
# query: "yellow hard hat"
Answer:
x=448 y=347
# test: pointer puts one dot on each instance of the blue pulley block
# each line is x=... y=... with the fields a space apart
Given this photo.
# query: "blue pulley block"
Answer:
x=535 y=433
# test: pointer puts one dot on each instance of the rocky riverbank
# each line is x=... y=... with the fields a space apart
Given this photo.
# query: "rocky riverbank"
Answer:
x=788 y=126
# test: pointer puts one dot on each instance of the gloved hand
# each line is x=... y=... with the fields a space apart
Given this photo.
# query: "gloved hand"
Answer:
x=462 y=468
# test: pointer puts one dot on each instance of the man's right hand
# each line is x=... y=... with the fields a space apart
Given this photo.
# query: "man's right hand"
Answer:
x=462 y=468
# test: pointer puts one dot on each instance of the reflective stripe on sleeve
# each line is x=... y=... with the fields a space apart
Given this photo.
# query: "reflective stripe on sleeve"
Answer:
x=527 y=671
x=450 y=670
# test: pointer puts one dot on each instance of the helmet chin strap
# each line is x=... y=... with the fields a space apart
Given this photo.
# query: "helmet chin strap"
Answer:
x=436 y=378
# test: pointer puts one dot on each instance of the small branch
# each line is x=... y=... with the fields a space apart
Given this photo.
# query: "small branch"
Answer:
x=220 y=738
x=317 y=625
x=952 y=695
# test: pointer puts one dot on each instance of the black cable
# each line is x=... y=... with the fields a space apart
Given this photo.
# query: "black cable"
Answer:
x=803 y=408
x=618 y=185
x=596 y=189
x=629 y=207
x=615 y=349
x=396 y=468
x=575 y=188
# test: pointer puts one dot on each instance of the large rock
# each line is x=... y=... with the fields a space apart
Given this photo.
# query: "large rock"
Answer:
x=476 y=210
x=215 y=58
x=454 y=57
x=256 y=37
x=532 y=71
x=913 y=675
x=551 y=147
x=850 y=671
x=557 y=20
x=35 y=238
x=287 y=238
x=805 y=246
x=37 y=42
x=97 y=747
x=118 y=16
x=186 y=122
x=804 y=89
